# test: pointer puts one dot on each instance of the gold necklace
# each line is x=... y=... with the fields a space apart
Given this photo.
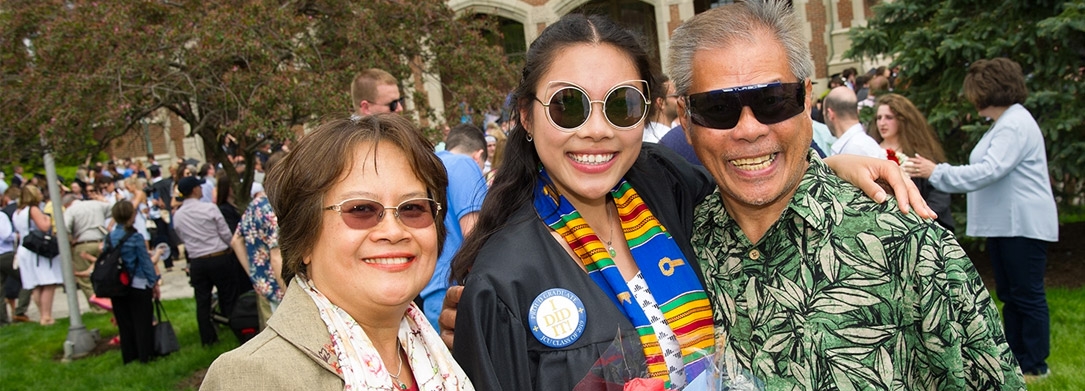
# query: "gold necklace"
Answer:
x=399 y=358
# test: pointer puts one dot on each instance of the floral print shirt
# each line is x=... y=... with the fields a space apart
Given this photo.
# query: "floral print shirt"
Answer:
x=844 y=293
x=260 y=229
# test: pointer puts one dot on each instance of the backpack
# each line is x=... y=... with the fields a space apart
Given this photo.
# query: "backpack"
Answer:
x=245 y=319
x=110 y=278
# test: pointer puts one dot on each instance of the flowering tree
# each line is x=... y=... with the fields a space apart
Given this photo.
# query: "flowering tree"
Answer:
x=81 y=73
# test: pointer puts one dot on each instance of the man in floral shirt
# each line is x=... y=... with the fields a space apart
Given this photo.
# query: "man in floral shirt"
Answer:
x=815 y=286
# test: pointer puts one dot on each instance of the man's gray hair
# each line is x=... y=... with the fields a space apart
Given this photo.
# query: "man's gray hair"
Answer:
x=735 y=23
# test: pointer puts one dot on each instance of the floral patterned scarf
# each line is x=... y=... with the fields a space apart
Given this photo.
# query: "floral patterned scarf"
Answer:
x=360 y=365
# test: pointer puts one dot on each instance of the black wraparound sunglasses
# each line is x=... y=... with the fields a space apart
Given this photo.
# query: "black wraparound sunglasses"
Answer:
x=771 y=103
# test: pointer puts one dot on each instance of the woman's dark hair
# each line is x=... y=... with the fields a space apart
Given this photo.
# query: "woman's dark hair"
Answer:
x=514 y=184
x=997 y=82
x=224 y=189
x=123 y=213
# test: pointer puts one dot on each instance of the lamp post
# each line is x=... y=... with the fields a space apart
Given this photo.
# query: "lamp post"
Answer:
x=79 y=341
x=147 y=134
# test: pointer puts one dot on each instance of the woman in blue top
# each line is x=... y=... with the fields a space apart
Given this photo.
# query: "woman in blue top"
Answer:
x=135 y=311
x=1009 y=202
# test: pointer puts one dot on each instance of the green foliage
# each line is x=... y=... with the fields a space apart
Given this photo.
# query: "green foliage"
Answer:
x=934 y=42
x=249 y=69
x=1073 y=214
x=31 y=356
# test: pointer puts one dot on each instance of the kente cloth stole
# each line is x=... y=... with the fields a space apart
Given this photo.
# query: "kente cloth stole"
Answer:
x=671 y=278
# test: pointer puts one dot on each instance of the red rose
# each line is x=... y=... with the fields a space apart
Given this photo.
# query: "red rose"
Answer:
x=892 y=155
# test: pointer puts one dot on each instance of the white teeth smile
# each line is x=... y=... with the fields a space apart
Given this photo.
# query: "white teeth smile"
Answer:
x=386 y=261
x=596 y=158
x=754 y=163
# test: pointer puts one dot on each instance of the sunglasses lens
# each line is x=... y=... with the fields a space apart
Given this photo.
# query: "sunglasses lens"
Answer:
x=625 y=107
x=416 y=213
x=778 y=103
x=569 y=108
x=715 y=109
x=361 y=214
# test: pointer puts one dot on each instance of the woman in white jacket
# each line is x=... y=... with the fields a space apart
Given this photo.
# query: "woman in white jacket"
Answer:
x=1009 y=202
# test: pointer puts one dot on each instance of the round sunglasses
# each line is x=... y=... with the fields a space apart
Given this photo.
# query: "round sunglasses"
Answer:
x=361 y=213
x=771 y=103
x=569 y=107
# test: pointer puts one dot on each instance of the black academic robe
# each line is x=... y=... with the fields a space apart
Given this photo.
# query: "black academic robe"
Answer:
x=494 y=343
x=938 y=201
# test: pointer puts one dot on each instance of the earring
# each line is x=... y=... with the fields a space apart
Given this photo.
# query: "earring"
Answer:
x=529 y=139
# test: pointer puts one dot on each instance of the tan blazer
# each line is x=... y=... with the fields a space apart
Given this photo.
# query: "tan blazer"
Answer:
x=293 y=353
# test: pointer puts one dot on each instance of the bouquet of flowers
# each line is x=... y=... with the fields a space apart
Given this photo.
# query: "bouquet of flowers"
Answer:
x=621 y=364
x=622 y=367
x=727 y=374
x=899 y=158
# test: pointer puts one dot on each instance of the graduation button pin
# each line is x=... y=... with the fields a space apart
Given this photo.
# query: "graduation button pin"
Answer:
x=557 y=317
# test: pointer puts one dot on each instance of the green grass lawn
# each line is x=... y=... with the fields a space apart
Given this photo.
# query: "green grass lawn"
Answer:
x=1067 y=359
x=30 y=356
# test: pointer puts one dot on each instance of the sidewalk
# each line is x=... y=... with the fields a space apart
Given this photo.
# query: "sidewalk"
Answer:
x=174 y=286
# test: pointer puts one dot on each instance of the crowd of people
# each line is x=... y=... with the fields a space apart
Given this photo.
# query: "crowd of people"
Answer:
x=171 y=217
x=682 y=215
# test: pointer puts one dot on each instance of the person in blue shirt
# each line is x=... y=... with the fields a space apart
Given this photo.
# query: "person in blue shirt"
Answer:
x=463 y=160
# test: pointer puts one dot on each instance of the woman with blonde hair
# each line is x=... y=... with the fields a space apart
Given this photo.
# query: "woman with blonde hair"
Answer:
x=40 y=275
x=903 y=131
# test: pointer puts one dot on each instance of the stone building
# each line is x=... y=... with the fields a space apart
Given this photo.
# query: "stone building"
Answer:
x=828 y=23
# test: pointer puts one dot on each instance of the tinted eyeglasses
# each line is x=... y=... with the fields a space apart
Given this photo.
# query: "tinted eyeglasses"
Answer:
x=771 y=103
x=569 y=106
x=361 y=213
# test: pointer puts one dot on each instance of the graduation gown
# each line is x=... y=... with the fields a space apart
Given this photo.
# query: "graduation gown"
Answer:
x=494 y=340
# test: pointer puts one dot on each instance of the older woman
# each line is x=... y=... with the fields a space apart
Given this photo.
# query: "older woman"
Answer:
x=362 y=197
x=1009 y=202
x=902 y=129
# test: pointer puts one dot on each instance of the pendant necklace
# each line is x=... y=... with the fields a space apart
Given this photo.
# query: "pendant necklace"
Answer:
x=610 y=237
x=399 y=357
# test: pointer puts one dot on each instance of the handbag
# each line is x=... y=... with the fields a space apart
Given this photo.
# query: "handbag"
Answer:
x=165 y=340
x=39 y=242
x=109 y=277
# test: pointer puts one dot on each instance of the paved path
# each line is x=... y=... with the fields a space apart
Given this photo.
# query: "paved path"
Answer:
x=174 y=286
